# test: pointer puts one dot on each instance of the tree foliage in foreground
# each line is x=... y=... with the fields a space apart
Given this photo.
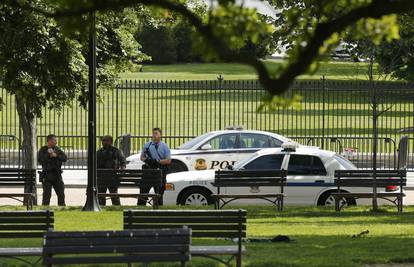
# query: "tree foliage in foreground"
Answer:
x=43 y=67
x=228 y=25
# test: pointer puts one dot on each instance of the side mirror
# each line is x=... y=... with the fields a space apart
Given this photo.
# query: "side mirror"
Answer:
x=206 y=147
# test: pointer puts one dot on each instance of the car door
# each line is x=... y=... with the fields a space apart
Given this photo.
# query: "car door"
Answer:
x=264 y=162
x=220 y=153
x=306 y=177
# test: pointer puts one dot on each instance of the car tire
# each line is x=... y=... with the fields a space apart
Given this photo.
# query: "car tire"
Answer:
x=326 y=199
x=177 y=166
x=196 y=196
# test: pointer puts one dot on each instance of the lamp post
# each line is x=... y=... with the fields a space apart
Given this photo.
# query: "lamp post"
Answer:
x=91 y=203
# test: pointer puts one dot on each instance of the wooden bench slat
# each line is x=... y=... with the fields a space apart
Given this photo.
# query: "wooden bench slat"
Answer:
x=252 y=196
x=24 y=220
x=24 y=227
x=29 y=234
x=116 y=259
x=123 y=248
x=194 y=227
x=188 y=220
x=29 y=213
x=221 y=213
x=214 y=250
x=368 y=194
x=7 y=252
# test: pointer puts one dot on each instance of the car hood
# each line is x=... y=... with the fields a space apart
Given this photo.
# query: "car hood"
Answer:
x=190 y=176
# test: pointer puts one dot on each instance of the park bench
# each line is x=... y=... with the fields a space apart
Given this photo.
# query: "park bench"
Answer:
x=22 y=225
x=252 y=179
x=365 y=179
x=130 y=179
x=106 y=247
x=222 y=224
x=13 y=178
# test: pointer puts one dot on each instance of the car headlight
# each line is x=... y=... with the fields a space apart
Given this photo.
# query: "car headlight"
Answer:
x=169 y=187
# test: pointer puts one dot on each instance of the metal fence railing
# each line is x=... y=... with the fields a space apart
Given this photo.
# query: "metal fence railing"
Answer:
x=336 y=115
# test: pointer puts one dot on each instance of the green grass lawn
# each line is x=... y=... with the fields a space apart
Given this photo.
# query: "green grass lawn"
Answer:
x=231 y=71
x=322 y=237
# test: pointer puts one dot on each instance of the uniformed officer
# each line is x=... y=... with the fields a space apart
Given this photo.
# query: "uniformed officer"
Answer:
x=156 y=155
x=51 y=158
x=109 y=157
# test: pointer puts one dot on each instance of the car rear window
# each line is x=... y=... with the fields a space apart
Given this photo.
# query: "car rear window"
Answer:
x=306 y=165
x=344 y=162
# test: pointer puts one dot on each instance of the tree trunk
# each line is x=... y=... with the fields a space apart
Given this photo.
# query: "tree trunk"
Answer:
x=27 y=120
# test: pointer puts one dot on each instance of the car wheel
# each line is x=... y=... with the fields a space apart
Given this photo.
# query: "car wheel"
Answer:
x=326 y=199
x=196 y=197
x=177 y=166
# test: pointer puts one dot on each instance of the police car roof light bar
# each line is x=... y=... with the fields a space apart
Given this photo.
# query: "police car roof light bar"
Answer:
x=234 y=127
x=287 y=146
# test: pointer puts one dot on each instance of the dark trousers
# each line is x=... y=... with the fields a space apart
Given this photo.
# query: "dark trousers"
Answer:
x=59 y=188
x=145 y=190
x=112 y=190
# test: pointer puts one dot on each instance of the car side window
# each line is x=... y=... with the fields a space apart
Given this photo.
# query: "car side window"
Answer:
x=267 y=162
x=225 y=141
x=305 y=165
x=249 y=140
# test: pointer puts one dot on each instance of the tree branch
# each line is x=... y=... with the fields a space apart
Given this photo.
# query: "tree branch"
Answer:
x=275 y=86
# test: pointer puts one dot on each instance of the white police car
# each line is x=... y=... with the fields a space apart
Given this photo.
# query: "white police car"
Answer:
x=216 y=150
x=310 y=177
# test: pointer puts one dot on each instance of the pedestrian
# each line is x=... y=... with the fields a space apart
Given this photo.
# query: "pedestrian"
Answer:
x=156 y=155
x=51 y=158
x=109 y=157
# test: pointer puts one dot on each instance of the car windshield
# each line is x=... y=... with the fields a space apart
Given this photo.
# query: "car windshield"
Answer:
x=190 y=144
x=243 y=162
x=345 y=162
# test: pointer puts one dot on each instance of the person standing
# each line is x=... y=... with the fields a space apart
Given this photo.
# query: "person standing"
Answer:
x=51 y=158
x=109 y=157
x=157 y=155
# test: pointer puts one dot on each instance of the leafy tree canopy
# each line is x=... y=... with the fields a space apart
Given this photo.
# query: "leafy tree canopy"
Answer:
x=42 y=66
x=311 y=28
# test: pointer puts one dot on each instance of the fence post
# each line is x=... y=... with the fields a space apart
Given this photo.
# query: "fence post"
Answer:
x=220 y=82
x=116 y=110
x=323 y=111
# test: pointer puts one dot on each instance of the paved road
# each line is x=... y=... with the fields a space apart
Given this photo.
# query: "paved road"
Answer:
x=75 y=181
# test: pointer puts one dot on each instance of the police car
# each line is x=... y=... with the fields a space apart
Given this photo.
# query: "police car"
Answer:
x=217 y=149
x=309 y=181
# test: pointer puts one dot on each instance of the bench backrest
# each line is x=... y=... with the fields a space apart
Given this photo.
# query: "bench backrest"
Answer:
x=365 y=178
x=248 y=178
x=161 y=245
x=204 y=223
x=17 y=177
x=25 y=224
x=129 y=178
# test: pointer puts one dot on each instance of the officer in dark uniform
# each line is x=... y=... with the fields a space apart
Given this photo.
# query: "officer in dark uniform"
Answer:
x=51 y=158
x=157 y=155
x=109 y=157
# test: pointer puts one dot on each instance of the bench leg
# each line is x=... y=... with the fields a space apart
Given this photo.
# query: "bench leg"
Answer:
x=216 y=204
x=337 y=204
x=239 y=260
x=280 y=204
x=155 y=203
x=399 y=205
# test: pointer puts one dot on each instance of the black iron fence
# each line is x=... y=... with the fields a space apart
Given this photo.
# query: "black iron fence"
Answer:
x=335 y=115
